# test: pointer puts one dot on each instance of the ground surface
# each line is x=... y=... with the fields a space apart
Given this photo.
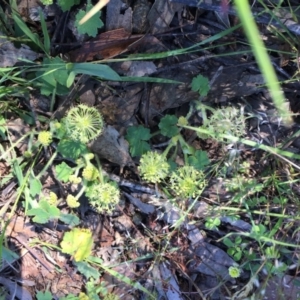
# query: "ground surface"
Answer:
x=141 y=239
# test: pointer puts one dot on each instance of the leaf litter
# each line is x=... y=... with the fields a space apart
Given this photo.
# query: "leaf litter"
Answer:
x=148 y=239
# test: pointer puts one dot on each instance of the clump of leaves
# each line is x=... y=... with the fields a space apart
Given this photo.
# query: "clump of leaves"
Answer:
x=139 y=137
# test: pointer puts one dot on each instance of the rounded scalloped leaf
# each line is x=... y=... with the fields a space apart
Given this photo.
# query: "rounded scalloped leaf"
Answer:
x=78 y=243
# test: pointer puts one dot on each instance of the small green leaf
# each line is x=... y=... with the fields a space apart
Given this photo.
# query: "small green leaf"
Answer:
x=43 y=296
x=199 y=160
x=35 y=186
x=168 y=126
x=228 y=243
x=138 y=133
x=8 y=255
x=92 y=25
x=71 y=149
x=137 y=137
x=67 y=4
x=69 y=219
x=86 y=270
x=200 y=84
x=258 y=229
x=71 y=78
x=44 y=213
x=63 y=172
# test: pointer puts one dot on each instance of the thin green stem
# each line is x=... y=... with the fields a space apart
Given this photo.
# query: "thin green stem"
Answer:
x=48 y=164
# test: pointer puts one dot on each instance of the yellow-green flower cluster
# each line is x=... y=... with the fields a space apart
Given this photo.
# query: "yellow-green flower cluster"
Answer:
x=74 y=179
x=83 y=296
x=187 y=181
x=45 y=138
x=83 y=123
x=90 y=173
x=153 y=167
x=103 y=196
x=229 y=120
x=52 y=199
x=72 y=201
x=234 y=272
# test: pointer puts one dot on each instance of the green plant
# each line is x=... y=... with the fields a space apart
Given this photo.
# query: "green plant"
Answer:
x=78 y=243
x=138 y=138
x=263 y=59
x=43 y=295
x=83 y=123
x=91 y=26
x=234 y=272
x=154 y=167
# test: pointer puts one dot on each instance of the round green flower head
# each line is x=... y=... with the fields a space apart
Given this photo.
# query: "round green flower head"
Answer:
x=229 y=120
x=187 y=181
x=83 y=123
x=153 y=167
x=234 y=272
x=90 y=173
x=45 y=138
x=103 y=196
x=72 y=201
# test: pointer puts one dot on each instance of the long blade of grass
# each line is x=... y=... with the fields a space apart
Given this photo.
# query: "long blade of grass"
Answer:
x=262 y=58
x=23 y=26
x=45 y=33
x=250 y=143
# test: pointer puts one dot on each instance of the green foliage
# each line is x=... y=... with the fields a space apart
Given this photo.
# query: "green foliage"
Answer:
x=67 y=4
x=199 y=160
x=35 y=186
x=63 y=172
x=234 y=247
x=43 y=296
x=200 y=84
x=70 y=220
x=137 y=137
x=86 y=270
x=168 y=126
x=47 y=2
x=71 y=149
x=2 y=127
x=52 y=77
x=91 y=26
x=78 y=243
x=44 y=212
x=212 y=223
